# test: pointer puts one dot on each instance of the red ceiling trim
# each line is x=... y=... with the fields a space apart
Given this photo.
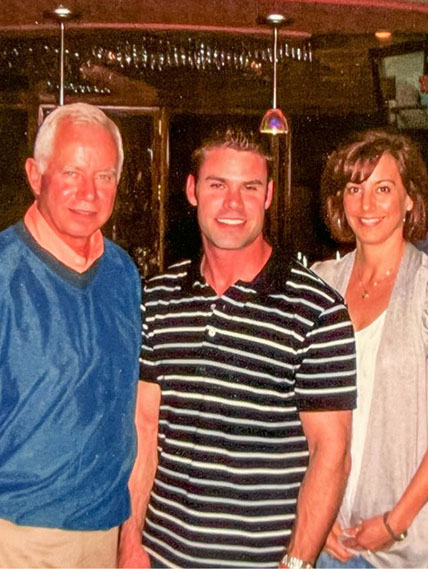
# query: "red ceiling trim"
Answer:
x=408 y=6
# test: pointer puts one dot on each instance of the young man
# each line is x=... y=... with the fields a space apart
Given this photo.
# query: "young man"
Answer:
x=249 y=377
x=69 y=354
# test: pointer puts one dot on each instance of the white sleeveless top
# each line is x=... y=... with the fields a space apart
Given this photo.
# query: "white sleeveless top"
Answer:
x=367 y=343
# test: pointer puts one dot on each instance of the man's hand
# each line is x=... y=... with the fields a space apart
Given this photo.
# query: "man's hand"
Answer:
x=334 y=545
x=369 y=535
x=131 y=552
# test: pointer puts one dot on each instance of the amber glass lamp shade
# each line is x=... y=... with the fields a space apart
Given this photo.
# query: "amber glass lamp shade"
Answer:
x=274 y=122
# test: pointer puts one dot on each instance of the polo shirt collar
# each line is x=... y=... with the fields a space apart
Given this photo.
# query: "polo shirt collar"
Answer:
x=270 y=279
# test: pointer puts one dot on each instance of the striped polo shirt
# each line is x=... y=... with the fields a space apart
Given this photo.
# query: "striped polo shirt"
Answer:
x=234 y=372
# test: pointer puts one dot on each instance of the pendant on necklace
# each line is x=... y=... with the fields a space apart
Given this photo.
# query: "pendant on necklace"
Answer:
x=365 y=294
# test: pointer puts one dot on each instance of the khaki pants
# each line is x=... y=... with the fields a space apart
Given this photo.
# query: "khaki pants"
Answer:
x=26 y=546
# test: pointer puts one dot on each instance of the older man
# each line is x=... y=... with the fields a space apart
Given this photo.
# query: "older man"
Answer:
x=69 y=341
x=249 y=368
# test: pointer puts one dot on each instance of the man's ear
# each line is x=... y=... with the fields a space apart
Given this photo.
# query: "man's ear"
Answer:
x=191 y=190
x=34 y=176
x=269 y=194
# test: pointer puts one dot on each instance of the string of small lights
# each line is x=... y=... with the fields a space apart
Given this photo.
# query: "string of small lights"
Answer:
x=143 y=56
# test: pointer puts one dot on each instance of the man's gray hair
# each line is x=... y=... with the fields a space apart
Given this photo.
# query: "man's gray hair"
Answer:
x=77 y=113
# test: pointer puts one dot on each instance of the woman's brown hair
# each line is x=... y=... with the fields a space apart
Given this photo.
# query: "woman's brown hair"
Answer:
x=354 y=162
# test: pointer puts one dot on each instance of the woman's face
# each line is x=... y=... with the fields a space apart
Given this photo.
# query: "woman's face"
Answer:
x=375 y=208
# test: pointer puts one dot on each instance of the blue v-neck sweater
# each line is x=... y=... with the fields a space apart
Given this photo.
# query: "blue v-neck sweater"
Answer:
x=69 y=347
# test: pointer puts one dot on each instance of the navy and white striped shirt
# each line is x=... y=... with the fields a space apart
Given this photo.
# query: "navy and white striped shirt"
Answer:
x=234 y=372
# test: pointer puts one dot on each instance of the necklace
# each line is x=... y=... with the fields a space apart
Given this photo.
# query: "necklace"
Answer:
x=365 y=293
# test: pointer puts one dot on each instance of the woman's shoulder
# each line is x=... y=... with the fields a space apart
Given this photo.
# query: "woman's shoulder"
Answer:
x=415 y=262
x=332 y=269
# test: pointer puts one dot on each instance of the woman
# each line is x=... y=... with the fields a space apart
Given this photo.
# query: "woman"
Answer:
x=373 y=191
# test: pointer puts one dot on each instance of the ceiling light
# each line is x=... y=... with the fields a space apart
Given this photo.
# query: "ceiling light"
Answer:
x=274 y=121
x=383 y=35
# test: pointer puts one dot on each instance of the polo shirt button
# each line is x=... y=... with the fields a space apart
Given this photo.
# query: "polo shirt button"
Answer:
x=212 y=306
x=211 y=332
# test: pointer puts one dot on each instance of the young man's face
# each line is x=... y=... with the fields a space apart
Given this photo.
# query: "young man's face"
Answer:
x=76 y=193
x=232 y=194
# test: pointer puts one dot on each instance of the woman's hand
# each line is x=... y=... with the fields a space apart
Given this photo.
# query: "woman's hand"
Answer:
x=334 y=544
x=369 y=535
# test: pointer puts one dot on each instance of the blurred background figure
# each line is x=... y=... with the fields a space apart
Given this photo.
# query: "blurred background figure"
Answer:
x=373 y=192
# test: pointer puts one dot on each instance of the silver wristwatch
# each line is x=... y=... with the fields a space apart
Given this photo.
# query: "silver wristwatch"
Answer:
x=295 y=563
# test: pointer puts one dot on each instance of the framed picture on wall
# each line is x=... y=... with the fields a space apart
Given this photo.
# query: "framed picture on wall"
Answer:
x=397 y=73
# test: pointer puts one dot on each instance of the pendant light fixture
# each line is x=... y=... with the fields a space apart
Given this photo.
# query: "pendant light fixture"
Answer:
x=274 y=121
x=61 y=14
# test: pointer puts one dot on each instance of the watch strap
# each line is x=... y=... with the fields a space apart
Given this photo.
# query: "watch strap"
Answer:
x=295 y=563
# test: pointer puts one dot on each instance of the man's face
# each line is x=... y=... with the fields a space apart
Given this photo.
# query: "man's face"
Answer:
x=232 y=194
x=76 y=193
